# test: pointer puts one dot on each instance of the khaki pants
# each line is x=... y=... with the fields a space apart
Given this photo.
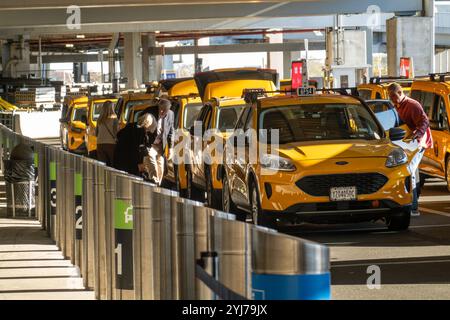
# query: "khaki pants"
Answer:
x=154 y=164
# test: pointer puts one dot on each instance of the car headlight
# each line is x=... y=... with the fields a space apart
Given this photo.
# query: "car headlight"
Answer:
x=396 y=158
x=273 y=162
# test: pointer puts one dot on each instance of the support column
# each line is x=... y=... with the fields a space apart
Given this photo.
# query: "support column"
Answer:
x=145 y=58
x=132 y=59
x=276 y=58
x=410 y=37
x=155 y=63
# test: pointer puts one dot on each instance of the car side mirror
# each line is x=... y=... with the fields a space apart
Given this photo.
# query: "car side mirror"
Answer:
x=435 y=125
x=396 y=134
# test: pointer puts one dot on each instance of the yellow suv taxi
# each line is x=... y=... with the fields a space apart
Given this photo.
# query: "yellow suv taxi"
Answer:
x=95 y=104
x=377 y=88
x=127 y=101
x=332 y=163
x=72 y=127
x=221 y=92
x=434 y=96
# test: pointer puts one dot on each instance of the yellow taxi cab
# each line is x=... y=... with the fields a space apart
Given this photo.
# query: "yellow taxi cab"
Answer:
x=94 y=107
x=377 y=88
x=77 y=129
x=434 y=96
x=67 y=116
x=221 y=92
x=186 y=103
x=333 y=163
x=127 y=101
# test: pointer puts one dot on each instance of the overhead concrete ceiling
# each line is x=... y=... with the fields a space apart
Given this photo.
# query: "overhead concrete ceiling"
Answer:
x=36 y=17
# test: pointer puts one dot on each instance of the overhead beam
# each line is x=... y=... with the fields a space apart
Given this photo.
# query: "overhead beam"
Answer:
x=233 y=48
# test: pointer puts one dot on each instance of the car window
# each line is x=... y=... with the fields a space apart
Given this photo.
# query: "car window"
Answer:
x=440 y=113
x=314 y=122
x=118 y=108
x=426 y=99
x=228 y=116
x=365 y=94
x=78 y=114
x=131 y=104
x=241 y=118
x=388 y=119
x=191 y=111
x=377 y=95
x=379 y=106
x=249 y=121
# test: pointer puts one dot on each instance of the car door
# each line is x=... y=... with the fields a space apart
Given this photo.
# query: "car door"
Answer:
x=198 y=145
x=440 y=131
x=238 y=179
x=427 y=100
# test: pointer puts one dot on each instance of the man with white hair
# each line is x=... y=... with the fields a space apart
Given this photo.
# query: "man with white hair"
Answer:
x=163 y=140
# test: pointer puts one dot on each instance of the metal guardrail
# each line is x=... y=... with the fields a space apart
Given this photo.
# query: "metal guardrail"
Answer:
x=132 y=240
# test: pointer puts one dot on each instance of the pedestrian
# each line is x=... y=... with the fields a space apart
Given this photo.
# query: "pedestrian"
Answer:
x=163 y=140
x=133 y=143
x=412 y=114
x=106 y=132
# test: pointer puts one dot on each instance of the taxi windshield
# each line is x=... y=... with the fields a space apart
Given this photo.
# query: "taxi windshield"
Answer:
x=133 y=103
x=78 y=114
x=227 y=117
x=296 y=123
x=97 y=108
x=191 y=111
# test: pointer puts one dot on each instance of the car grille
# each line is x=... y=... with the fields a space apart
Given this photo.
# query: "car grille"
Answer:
x=319 y=186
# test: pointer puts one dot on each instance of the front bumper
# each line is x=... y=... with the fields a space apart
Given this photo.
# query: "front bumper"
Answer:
x=339 y=212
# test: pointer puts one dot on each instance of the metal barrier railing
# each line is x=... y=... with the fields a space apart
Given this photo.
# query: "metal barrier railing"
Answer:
x=132 y=240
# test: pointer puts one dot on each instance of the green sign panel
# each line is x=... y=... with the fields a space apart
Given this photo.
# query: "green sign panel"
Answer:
x=123 y=215
x=78 y=184
x=52 y=170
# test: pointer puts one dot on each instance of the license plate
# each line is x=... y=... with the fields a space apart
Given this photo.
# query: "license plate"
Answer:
x=343 y=193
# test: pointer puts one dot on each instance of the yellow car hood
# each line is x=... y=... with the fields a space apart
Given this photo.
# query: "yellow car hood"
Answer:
x=304 y=151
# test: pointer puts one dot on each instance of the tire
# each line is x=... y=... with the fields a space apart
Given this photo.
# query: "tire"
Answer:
x=182 y=192
x=193 y=192
x=400 y=221
x=447 y=173
x=258 y=216
x=213 y=198
x=227 y=202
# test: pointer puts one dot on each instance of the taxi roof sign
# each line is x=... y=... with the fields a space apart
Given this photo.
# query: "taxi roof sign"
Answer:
x=306 y=91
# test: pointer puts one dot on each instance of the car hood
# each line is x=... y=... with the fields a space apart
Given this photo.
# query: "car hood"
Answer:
x=305 y=151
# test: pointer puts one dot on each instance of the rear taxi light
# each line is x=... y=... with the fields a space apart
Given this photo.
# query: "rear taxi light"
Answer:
x=375 y=203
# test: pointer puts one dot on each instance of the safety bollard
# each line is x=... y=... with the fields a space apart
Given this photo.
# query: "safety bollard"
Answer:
x=52 y=192
x=289 y=268
x=60 y=207
x=110 y=186
x=69 y=206
x=100 y=231
x=78 y=211
x=232 y=243
x=184 y=248
x=88 y=223
x=202 y=243
x=123 y=239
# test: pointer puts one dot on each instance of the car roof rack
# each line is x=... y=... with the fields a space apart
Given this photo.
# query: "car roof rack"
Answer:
x=252 y=95
x=440 y=77
x=379 y=80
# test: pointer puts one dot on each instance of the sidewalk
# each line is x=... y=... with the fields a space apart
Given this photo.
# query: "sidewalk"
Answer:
x=31 y=265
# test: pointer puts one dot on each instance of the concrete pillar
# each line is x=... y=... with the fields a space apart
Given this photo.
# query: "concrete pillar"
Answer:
x=410 y=37
x=369 y=49
x=276 y=58
x=16 y=57
x=133 y=59
x=145 y=58
x=286 y=65
x=155 y=62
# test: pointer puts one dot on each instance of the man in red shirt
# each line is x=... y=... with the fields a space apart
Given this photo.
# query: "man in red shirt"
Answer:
x=412 y=114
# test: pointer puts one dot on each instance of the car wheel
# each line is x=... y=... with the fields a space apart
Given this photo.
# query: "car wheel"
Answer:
x=213 y=199
x=227 y=202
x=182 y=192
x=192 y=192
x=258 y=216
x=399 y=221
x=447 y=173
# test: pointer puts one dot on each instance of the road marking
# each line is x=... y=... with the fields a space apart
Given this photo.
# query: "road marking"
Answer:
x=424 y=199
x=387 y=263
x=446 y=214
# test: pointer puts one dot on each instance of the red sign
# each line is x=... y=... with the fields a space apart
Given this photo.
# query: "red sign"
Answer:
x=406 y=67
x=297 y=74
